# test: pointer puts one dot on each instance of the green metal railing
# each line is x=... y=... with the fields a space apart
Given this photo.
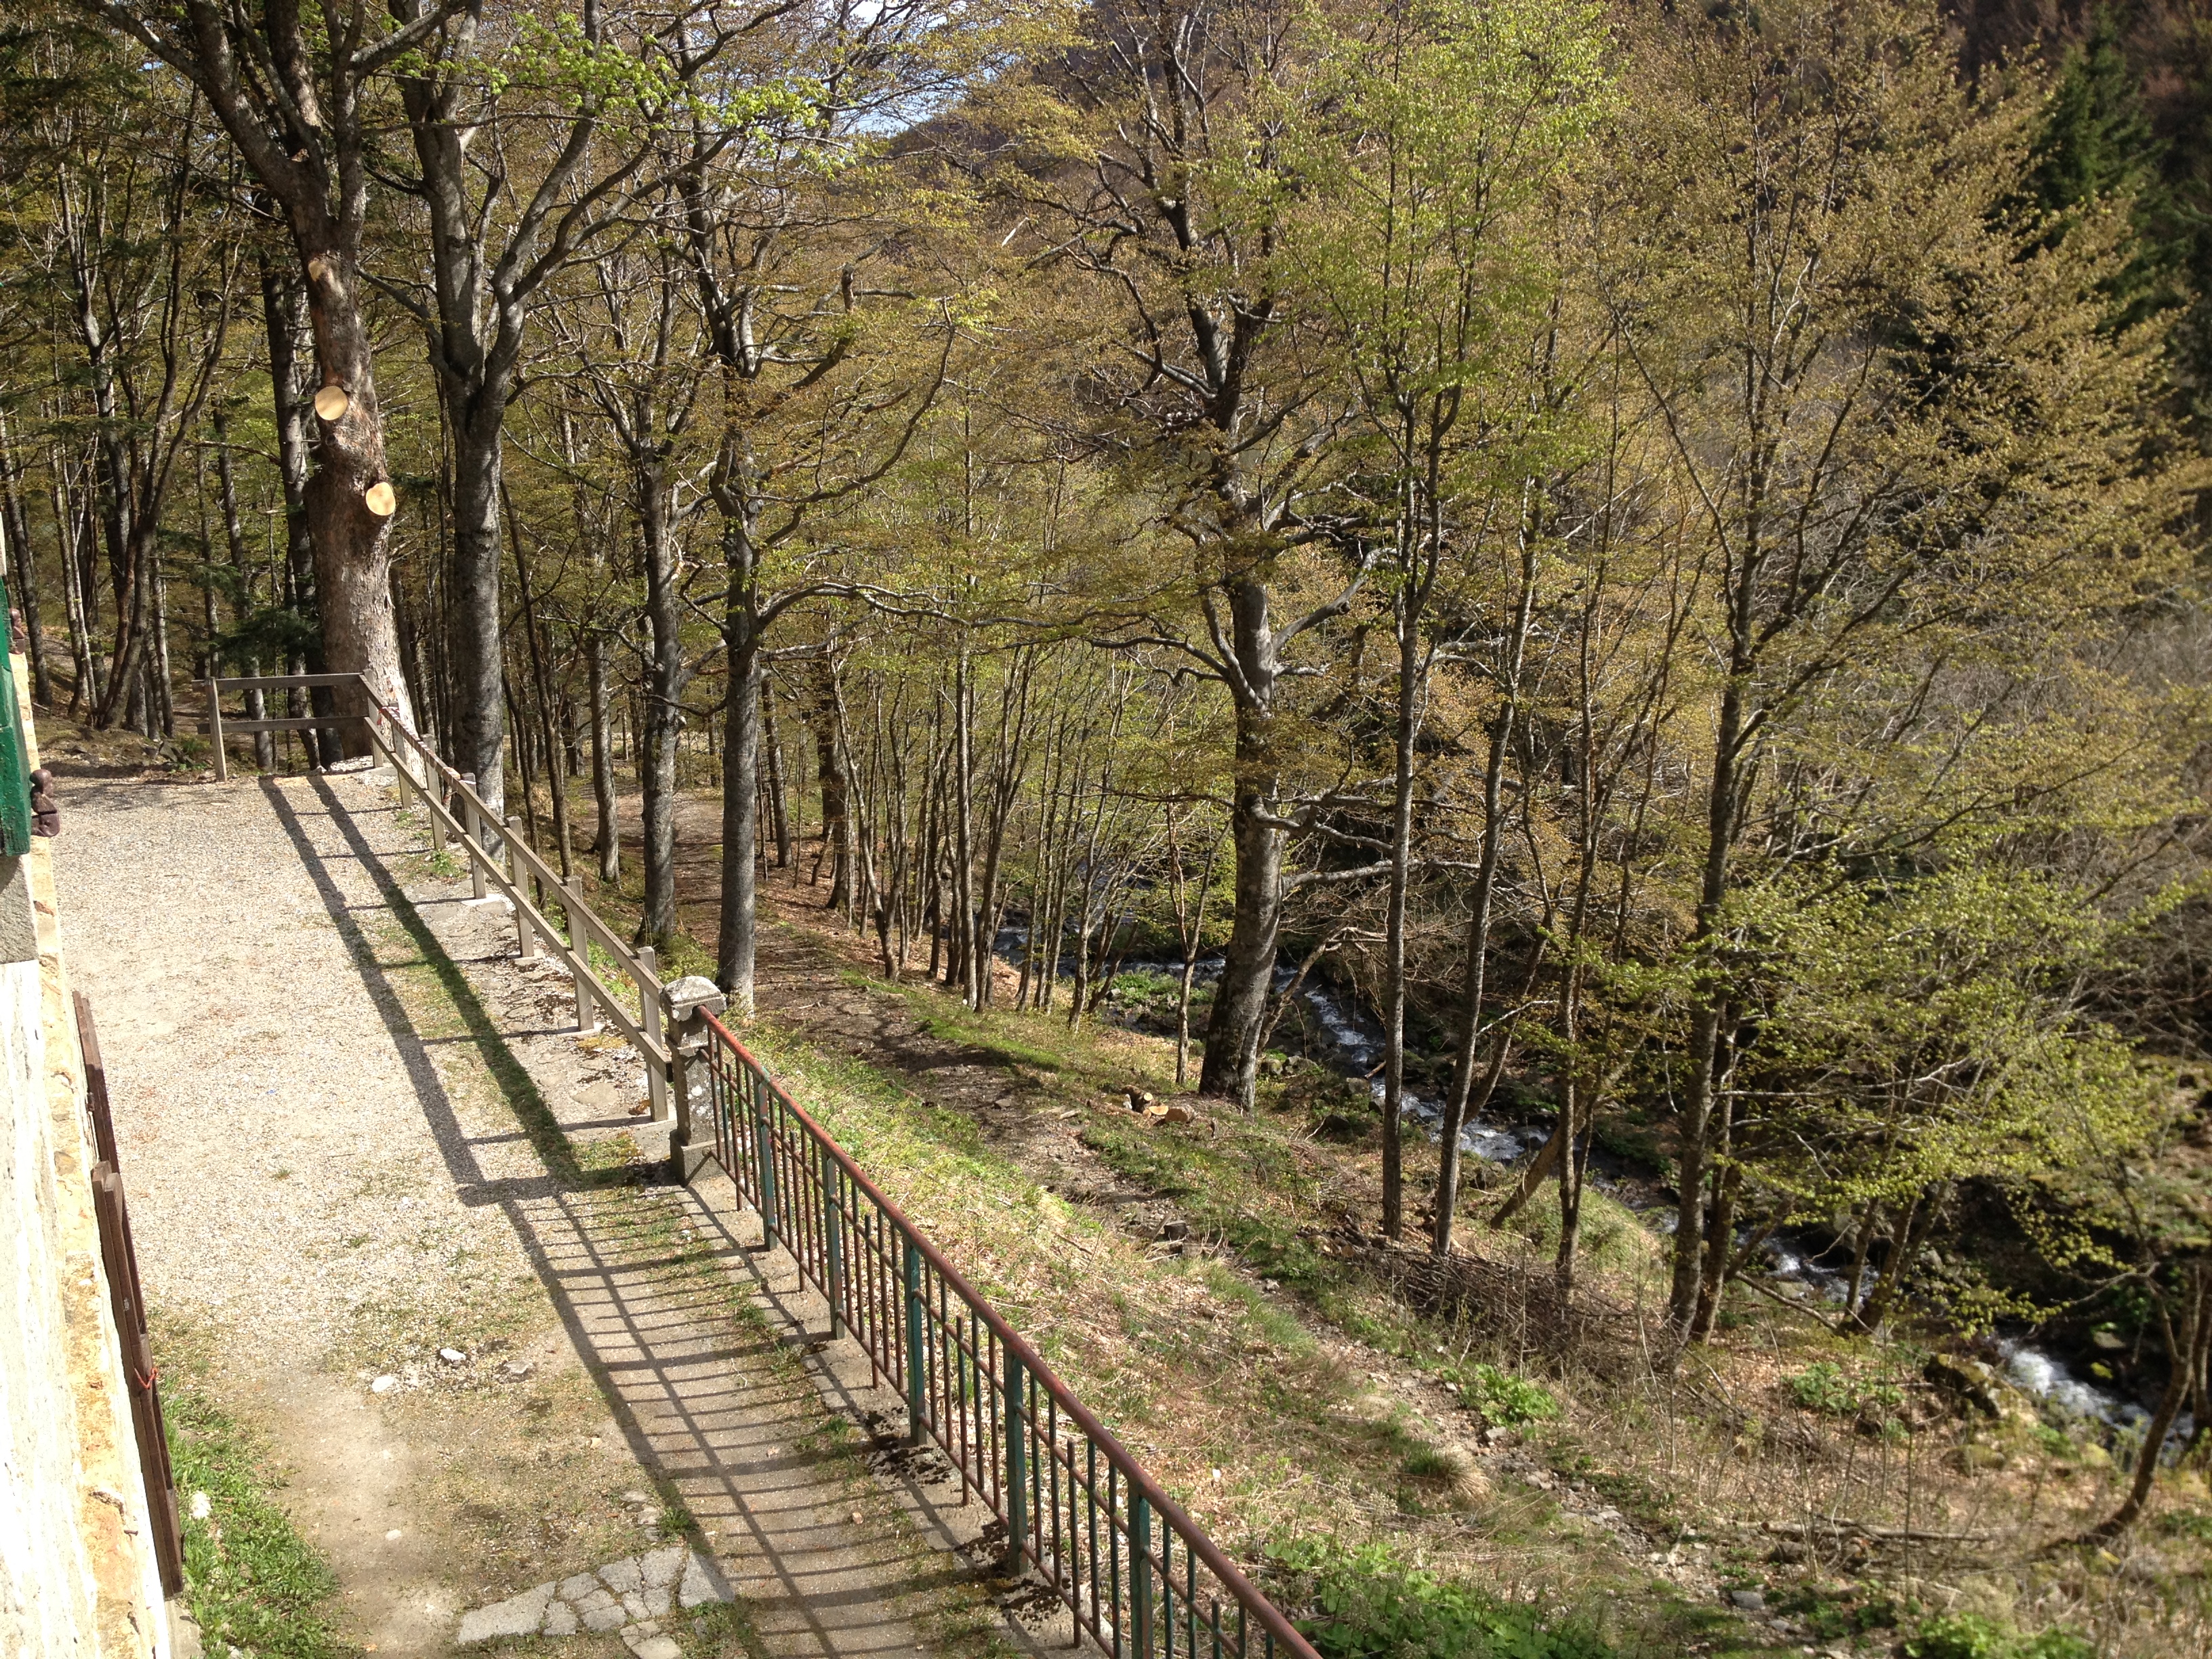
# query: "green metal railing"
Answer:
x=1137 y=1573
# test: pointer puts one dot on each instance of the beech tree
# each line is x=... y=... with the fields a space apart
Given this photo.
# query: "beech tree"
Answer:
x=1142 y=162
x=1436 y=130
x=293 y=92
x=1830 y=305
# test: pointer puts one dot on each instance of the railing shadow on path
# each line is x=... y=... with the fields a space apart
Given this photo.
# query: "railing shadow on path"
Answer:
x=1076 y=1513
x=719 y=1421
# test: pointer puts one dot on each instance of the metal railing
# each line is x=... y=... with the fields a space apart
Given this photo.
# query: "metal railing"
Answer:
x=1140 y=1577
x=1137 y=1575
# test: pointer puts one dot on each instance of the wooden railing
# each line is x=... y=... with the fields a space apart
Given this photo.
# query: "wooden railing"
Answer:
x=142 y=1379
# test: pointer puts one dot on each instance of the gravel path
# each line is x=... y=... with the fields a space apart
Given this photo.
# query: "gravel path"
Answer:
x=356 y=1133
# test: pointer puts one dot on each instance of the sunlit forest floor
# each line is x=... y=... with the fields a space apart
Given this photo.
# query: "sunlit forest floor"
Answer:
x=1215 y=1289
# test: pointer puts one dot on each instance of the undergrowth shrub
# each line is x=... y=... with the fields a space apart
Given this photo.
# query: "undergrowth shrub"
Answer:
x=1824 y=1386
x=1969 y=1636
x=1371 y=1604
x=2188 y=1523
x=1504 y=1397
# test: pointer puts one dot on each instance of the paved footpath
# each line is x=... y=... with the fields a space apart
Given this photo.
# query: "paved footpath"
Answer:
x=358 y=1134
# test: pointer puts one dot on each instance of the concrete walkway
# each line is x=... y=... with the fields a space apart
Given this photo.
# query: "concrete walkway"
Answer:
x=358 y=1137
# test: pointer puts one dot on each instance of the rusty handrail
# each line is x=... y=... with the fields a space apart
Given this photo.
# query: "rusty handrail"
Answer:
x=1276 y=1627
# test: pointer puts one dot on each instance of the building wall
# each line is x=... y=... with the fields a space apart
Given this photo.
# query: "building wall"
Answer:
x=78 y=1576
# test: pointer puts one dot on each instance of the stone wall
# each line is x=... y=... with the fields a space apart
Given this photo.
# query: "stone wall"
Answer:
x=77 y=1570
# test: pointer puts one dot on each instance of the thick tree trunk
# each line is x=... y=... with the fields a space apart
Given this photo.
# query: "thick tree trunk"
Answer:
x=1240 y=1008
x=474 y=648
x=602 y=762
x=736 y=940
x=349 y=540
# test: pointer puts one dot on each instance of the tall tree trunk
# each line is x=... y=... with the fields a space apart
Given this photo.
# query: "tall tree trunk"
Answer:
x=1693 y=1123
x=830 y=778
x=773 y=749
x=1464 y=1096
x=74 y=530
x=1240 y=1005
x=1574 y=1153
x=603 y=761
x=157 y=659
x=284 y=318
x=348 y=538
x=738 y=932
x=1412 y=687
x=556 y=783
x=474 y=645
x=664 y=703
x=972 y=967
x=234 y=531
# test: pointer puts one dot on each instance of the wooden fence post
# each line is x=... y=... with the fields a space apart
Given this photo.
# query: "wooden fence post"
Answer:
x=215 y=725
x=579 y=951
x=526 y=937
x=648 y=1010
x=472 y=828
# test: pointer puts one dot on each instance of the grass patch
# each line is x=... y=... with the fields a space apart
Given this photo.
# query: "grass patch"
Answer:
x=1371 y=1603
x=1969 y=1636
x=250 y=1580
x=1010 y=1039
x=1006 y=1051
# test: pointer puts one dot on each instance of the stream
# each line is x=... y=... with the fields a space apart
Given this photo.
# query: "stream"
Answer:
x=1356 y=1045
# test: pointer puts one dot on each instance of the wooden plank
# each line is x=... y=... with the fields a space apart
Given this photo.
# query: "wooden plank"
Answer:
x=283 y=682
x=301 y=723
x=96 y=1082
x=127 y=1301
x=612 y=944
x=604 y=937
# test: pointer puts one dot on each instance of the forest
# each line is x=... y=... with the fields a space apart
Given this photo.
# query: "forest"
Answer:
x=1630 y=575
